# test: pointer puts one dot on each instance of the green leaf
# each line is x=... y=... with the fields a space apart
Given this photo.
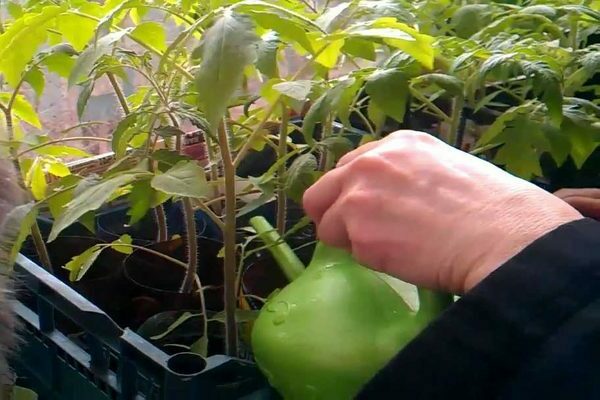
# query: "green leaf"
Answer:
x=200 y=346
x=36 y=80
x=451 y=84
x=524 y=142
x=78 y=30
x=560 y=143
x=167 y=158
x=469 y=19
x=16 y=229
x=20 y=41
x=90 y=198
x=501 y=122
x=584 y=138
x=176 y=324
x=14 y=9
x=36 y=179
x=59 y=195
x=185 y=179
x=337 y=145
x=377 y=115
x=346 y=101
x=56 y=167
x=388 y=89
x=22 y=109
x=140 y=200
x=122 y=244
x=60 y=63
x=398 y=35
x=21 y=393
x=124 y=131
x=151 y=33
x=85 y=62
x=360 y=48
x=300 y=175
x=266 y=61
x=139 y=140
x=84 y=96
x=333 y=17
x=289 y=30
x=323 y=106
x=228 y=47
x=298 y=90
x=80 y=264
x=329 y=57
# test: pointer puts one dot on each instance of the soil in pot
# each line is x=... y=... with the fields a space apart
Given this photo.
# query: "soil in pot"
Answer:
x=156 y=281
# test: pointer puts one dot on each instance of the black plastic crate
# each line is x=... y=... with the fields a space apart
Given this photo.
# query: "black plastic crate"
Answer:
x=71 y=350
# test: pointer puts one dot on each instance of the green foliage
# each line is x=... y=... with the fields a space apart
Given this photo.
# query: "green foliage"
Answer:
x=228 y=46
x=186 y=178
x=300 y=176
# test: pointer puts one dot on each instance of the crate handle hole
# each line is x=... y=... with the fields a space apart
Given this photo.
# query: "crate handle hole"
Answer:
x=188 y=364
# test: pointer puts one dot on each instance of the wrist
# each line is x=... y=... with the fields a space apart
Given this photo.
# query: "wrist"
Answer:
x=514 y=237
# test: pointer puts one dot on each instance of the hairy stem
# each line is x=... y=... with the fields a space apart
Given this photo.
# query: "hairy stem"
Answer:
x=573 y=33
x=161 y=224
x=40 y=247
x=192 y=249
x=281 y=152
x=214 y=173
x=229 y=237
x=457 y=108
x=118 y=92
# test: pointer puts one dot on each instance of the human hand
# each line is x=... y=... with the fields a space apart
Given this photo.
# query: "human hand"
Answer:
x=413 y=207
x=586 y=201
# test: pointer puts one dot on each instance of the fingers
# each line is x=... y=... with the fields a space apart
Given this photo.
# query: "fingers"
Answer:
x=332 y=229
x=320 y=196
x=349 y=157
x=587 y=192
x=587 y=206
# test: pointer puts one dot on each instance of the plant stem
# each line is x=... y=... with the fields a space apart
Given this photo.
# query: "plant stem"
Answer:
x=40 y=247
x=573 y=32
x=229 y=237
x=326 y=161
x=38 y=240
x=287 y=260
x=214 y=172
x=442 y=115
x=118 y=92
x=281 y=152
x=457 y=108
x=192 y=249
x=69 y=139
x=161 y=223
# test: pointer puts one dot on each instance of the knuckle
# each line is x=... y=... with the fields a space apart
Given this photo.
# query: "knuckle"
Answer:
x=365 y=163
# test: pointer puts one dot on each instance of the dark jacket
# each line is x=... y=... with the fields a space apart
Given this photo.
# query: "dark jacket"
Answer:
x=530 y=330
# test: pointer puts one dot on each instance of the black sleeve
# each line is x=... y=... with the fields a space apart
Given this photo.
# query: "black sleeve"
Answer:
x=476 y=349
